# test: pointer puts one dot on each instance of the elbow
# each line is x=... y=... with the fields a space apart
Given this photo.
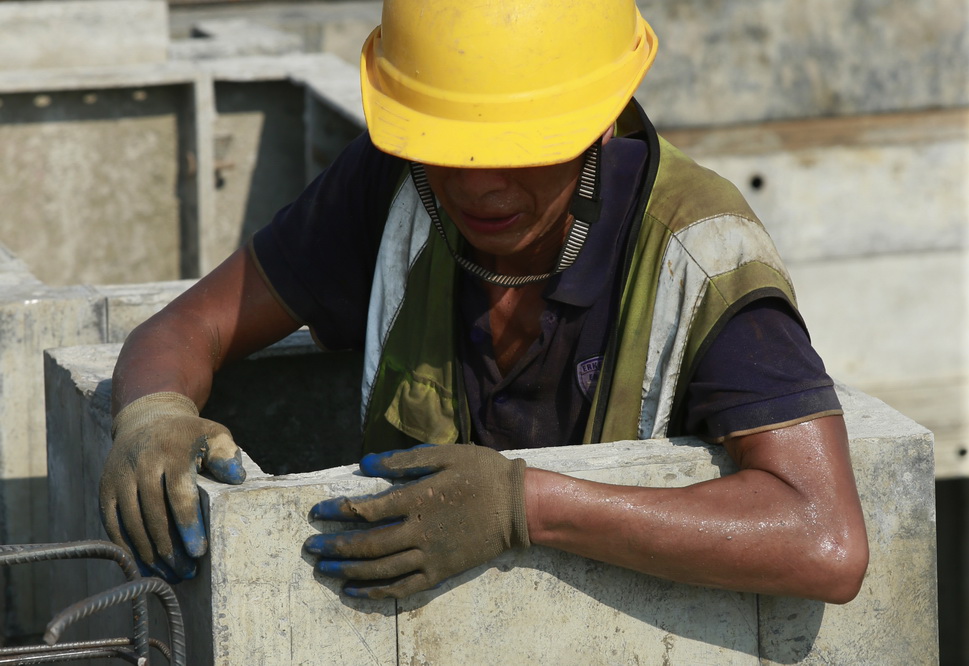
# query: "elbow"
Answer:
x=842 y=570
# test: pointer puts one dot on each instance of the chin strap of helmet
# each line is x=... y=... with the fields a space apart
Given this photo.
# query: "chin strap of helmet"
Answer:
x=584 y=209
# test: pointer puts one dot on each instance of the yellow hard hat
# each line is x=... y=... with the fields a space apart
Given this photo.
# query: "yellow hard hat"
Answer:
x=500 y=83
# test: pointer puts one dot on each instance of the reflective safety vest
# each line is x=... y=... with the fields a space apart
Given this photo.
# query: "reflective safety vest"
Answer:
x=698 y=255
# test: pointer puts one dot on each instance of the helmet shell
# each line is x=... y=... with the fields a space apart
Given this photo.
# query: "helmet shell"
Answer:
x=500 y=83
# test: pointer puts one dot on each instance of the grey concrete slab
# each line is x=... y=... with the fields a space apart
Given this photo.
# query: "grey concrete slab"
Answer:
x=96 y=173
x=257 y=597
x=82 y=33
x=848 y=187
x=231 y=37
x=736 y=62
x=34 y=317
x=895 y=326
x=894 y=619
x=728 y=63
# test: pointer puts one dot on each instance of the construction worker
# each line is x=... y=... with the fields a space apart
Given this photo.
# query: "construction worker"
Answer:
x=526 y=264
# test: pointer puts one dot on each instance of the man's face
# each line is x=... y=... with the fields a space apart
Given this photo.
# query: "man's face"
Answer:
x=510 y=216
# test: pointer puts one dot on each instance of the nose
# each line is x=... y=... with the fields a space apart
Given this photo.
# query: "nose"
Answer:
x=480 y=182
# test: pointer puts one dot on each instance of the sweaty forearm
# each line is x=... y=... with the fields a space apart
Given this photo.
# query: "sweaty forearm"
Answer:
x=694 y=535
x=749 y=531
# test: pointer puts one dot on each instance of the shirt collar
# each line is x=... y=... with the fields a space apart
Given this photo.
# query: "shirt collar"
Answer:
x=584 y=281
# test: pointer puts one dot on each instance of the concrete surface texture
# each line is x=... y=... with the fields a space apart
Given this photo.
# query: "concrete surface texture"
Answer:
x=82 y=33
x=257 y=600
x=737 y=62
x=142 y=173
x=132 y=175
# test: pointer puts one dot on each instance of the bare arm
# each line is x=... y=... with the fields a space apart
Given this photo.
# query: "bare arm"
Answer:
x=228 y=314
x=789 y=522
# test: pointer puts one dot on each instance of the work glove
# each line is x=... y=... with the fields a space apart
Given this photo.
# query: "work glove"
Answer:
x=461 y=506
x=149 y=481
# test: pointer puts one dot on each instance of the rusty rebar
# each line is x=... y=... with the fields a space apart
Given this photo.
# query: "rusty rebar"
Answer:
x=105 y=550
x=48 y=654
x=122 y=594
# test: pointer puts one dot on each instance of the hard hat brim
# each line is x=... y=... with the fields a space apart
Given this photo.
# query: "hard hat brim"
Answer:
x=478 y=133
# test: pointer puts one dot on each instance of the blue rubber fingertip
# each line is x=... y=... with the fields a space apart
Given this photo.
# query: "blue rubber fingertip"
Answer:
x=331 y=509
x=373 y=464
x=315 y=545
x=358 y=592
x=227 y=470
x=143 y=568
x=193 y=536
x=332 y=568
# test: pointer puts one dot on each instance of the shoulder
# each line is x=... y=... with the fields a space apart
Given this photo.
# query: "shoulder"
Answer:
x=686 y=193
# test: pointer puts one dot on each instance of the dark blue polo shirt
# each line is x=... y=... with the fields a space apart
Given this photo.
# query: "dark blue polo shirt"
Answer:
x=319 y=253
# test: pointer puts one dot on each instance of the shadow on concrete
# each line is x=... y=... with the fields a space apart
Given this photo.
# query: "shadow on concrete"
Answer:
x=259 y=153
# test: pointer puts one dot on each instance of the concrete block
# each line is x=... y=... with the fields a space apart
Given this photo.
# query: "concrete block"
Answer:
x=337 y=28
x=728 y=63
x=129 y=305
x=850 y=305
x=722 y=63
x=259 y=142
x=13 y=271
x=147 y=209
x=148 y=173
x=546 y=606
x=82 y=33
x=894 y=619
x=232 y=37
x=96 y=172
x=882 y=323
x=34 y=317
x=257 y=599
x=848 y=187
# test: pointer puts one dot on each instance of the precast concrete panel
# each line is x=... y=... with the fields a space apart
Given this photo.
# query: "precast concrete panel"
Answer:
x=257 y=598
x=94 y=176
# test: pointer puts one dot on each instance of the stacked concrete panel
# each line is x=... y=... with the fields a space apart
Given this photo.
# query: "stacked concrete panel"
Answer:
x=154 y=172
x=257 y=600
x=130 y=171
x=82 y=33
x=725 y=63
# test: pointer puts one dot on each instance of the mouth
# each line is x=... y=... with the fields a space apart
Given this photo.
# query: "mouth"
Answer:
x=489 y=225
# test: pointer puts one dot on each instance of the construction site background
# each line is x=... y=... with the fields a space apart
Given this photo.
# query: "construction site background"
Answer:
x=140 y=143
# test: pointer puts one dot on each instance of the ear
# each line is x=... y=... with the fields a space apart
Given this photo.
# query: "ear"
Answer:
x=608 y=133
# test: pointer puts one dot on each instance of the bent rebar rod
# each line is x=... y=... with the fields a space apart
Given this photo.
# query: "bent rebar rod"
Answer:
x=104 y=550
x=122 y=594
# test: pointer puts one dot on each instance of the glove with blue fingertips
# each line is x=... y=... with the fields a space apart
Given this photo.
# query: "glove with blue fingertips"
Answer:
x=459 y=506
x=148 y=496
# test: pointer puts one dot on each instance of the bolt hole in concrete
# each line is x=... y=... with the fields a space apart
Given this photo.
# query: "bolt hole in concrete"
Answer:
x=963 y=453
x=757 y=182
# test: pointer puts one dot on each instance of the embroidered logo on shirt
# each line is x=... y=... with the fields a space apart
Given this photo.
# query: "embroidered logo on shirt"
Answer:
x=587 y=374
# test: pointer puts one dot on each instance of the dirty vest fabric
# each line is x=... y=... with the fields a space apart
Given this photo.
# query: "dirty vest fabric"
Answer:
x=699 y=255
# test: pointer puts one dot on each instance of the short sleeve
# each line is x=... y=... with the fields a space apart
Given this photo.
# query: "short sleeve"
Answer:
x=318 y=253
x=760 y=373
